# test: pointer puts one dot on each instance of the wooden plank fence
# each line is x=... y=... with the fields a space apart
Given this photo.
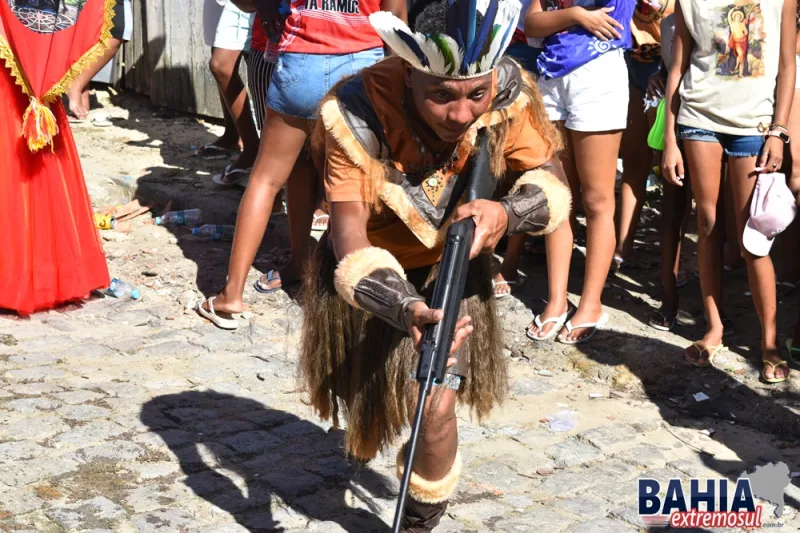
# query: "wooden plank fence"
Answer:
x=167 y=56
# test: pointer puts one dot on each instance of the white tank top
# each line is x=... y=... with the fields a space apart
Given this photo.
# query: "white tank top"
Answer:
x=730 y=84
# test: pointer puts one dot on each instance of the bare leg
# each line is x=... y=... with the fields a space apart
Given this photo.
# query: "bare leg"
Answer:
x=637 y=158
x=78 y=103
x=559 y=246
x=596 y=162
x=675 y=213
x=705 y=168
x=794 y=182
x=508 y=271
x=224 y=65
x=282 y=144
x=438 y=442
x=760 y=270
x=733 y=254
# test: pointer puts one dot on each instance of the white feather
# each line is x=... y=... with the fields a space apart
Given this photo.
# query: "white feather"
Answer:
x=438 y=64
x=385 y=25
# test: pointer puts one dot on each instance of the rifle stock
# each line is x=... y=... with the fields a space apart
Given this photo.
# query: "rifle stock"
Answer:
x=448 y=292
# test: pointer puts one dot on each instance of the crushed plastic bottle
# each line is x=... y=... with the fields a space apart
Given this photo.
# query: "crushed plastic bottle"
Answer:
x=191 y=217
x=215 y=232
x=121 y=289
x=563 y=421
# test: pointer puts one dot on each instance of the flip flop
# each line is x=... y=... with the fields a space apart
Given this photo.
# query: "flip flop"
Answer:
x=102 y=121
x=791 y=350
x=224 y=178
x=658 y=319
x=595 y=327
x=314 y=225
x=557 y=320
x=774 y=366
x=216 y=152
x=211 y=314
x=712 y=351
x=511 y=284
x=273 y=275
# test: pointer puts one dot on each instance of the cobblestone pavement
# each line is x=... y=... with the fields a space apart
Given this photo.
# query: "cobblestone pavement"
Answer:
x=139 y=416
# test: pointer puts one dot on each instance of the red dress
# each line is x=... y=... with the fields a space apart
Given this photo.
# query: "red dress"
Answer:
x=50 y=252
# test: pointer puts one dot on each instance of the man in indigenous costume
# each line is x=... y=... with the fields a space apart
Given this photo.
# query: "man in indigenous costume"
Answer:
x=396 y=144
x=51 y=253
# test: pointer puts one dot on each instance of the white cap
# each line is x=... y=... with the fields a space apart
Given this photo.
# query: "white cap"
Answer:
x=772 y=209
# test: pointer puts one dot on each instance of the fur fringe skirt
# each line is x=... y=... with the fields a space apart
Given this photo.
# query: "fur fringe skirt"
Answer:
x=357 y=366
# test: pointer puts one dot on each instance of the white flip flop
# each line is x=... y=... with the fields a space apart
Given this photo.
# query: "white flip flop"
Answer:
x=211 y=314
x=596 y=326
x=498 y=296
x=222 y=179
x=557 y=320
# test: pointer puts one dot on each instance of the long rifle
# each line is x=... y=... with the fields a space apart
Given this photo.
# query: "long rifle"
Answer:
x=448 y=292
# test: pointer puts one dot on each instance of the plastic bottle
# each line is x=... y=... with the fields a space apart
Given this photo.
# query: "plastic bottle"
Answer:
x=215 y=232
x=190 y=217
x=121 y=289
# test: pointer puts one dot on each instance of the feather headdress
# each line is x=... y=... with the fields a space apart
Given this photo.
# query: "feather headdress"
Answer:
x=466 y=50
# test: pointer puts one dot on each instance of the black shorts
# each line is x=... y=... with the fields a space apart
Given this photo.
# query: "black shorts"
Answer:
x=121 y=22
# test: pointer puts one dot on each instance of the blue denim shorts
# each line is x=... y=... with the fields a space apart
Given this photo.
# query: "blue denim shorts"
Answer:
x=526 y=56
x=639 y=72
x=733 y=145
x=300 y=81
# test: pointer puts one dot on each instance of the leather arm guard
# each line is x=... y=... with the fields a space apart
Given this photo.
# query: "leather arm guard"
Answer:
x=537 y=204
x=371 y=279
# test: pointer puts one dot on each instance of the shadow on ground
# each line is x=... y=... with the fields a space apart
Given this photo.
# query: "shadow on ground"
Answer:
x=275 y=456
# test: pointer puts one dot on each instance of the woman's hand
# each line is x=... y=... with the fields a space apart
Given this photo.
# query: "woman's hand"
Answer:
x=273 y=15
x=422 y=315
x=599 y=23
x=491 y=223
x=672 y=164
x=771 y=157
x=656 y=86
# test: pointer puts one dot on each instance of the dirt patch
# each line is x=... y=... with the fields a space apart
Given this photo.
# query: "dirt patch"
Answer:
x=154 y=456
x=46 y=492
x=8 y=340
x=98 y=478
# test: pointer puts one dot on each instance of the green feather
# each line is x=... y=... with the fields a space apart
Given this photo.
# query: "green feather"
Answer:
x=441 y=44
x=490 y=40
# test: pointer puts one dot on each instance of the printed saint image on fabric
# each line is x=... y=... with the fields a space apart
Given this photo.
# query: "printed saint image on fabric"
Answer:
x=47 y=16
x=740 y=38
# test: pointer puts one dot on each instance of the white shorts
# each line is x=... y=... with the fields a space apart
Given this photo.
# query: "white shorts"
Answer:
x=593 y=97
x=234 y=28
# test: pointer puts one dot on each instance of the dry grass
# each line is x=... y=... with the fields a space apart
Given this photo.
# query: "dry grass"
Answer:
x=154 y=456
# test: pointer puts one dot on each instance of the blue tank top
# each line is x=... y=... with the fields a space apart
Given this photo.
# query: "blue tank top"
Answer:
x=574 y=47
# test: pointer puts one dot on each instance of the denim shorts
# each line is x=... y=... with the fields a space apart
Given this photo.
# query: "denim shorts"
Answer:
x=639 y=72
x=526 y=56
x=733 y=145
x=300 y=81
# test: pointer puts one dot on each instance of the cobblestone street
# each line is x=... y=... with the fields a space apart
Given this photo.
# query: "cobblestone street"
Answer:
x=139 y=416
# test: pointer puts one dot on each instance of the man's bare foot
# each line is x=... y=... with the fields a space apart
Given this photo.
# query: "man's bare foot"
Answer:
x=699 y=353
x=586 y=314
x=554 y=309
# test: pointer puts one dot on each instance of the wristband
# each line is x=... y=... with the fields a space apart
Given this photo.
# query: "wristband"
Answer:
x=537 y=204
x=372 y=279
